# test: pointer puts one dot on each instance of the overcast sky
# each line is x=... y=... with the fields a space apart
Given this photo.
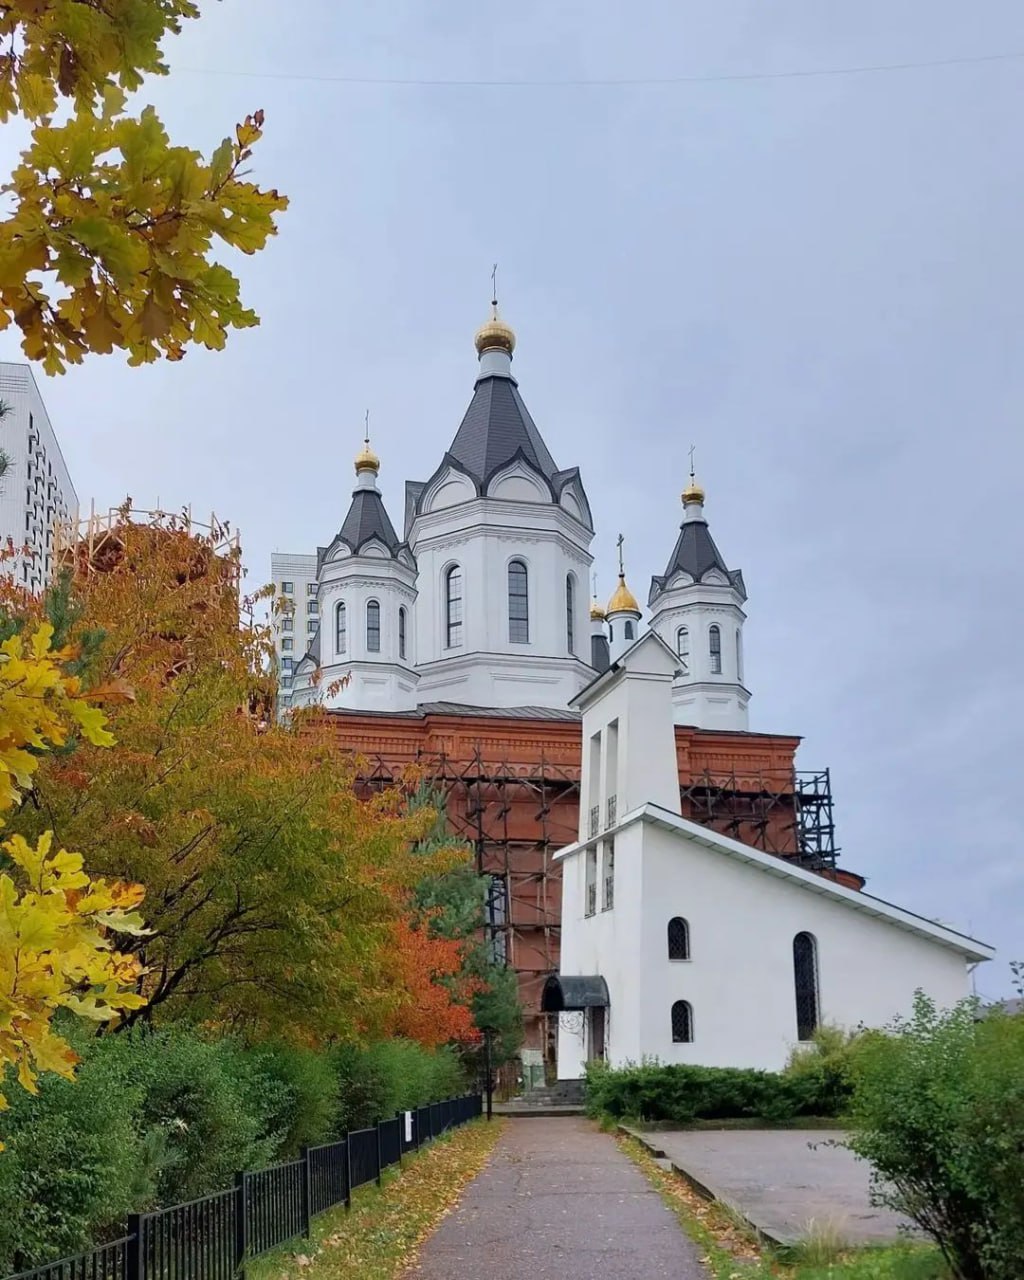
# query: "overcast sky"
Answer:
x=815 y=279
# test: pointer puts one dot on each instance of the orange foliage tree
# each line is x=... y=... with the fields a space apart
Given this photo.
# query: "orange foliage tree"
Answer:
x=278 y=901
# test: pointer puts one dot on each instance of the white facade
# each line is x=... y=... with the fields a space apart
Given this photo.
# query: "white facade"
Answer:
x=483 y=600
x=36 y=490
x=295 y=623
x=639 y=865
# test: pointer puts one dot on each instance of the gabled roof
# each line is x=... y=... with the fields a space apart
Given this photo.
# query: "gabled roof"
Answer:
x=649 y=639
x=856 y=899
x=695 y=554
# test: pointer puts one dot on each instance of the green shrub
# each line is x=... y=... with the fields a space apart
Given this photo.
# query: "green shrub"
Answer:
x=682 y=1093
x=306 y=1091
x=394 y=1075
x=938 y=1110
x=824 y=1069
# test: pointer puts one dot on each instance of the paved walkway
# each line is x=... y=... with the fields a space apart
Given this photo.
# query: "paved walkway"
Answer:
x=784 y=1181
x=559 y=1201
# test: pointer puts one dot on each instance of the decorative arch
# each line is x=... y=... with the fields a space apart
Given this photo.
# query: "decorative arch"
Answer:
x=682 y=1022
x=678 y=939
x=805 y=981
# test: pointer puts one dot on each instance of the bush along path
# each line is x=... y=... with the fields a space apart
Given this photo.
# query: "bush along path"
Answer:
x=378 y=1238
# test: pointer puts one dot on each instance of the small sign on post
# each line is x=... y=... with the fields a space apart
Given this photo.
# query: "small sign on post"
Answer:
x=408 y=1127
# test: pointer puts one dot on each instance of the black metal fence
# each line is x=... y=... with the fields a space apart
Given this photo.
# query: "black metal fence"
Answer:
x=211 y=1238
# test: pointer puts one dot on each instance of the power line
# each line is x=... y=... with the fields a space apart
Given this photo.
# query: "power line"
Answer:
x=625 y=82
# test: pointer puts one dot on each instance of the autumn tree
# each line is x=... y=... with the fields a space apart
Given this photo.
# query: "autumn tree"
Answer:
x=112 y=229
x=278 y=900
x=56 y=923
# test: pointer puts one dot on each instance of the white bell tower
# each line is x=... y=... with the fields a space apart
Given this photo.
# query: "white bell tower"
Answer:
x=697 y=609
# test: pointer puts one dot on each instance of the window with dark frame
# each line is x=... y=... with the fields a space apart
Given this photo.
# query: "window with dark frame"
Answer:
x=683 y=648
x=372 y=626
x=715 y=648
x=401 y=633
x=682 y=1022
x=628 y=635
x=340 y=628
x=678 y=939
x=570 y=610
x=805 y=978
x=739 y=655
x=453 y=607
x=518 y=604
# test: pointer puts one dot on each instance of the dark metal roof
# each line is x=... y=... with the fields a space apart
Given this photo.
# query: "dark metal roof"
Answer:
x=600 y=655
x=562 y=992
x=462 y=709
x=695 y=553
x=367 y=520
x=496 y=428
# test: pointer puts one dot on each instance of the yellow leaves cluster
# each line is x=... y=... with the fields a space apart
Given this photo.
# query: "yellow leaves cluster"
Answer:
x=55 y=953
x=39 y=704
x=109 y=245
x=55 y=922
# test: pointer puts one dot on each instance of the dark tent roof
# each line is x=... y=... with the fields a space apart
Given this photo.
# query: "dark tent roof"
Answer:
x=695 y=553
x=562 y=993
x=600 y=654
x=496 y=427
x=367 y=520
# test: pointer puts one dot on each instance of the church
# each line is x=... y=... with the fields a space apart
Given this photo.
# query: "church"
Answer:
x=467 y=648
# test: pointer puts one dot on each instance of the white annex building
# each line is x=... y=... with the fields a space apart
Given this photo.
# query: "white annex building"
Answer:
x=684 y=945
x=482 y=600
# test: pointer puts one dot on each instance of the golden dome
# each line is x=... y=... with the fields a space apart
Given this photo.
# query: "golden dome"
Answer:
x=366 y=459
x=693 y=491
x=596 y=612
x=623 y=600
x=495 y=334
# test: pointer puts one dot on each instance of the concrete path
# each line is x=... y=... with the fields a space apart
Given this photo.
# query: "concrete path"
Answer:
x=783 y=1181
x=559 y=1201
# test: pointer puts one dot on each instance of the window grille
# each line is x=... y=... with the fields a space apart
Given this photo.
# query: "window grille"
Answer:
x=453 y=607
x=595 y=820
x=340 y=629
x=612 y=810
x=805 y=976
x=682 y=1022
x=609 y=875
x=591 y=899
x=715 y=648
x=518 y=604
x=372 y=627
x=678 y=939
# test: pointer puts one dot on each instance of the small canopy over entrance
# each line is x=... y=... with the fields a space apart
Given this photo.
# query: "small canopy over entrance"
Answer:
x=563 y=993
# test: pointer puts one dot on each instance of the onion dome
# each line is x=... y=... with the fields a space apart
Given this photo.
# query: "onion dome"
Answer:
x=693 y=491
x=366 y=459
x=494 y=334
x=623 y=600
x=596 y=612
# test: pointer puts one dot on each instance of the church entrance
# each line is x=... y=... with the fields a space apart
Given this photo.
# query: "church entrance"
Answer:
x=595 y=1040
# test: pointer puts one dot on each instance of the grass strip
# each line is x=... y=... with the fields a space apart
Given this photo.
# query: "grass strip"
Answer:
x=730 y=1251
x=379 y=1238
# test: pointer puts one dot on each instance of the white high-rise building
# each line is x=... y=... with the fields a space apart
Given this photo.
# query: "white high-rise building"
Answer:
x=35 y=489
x=296 y=619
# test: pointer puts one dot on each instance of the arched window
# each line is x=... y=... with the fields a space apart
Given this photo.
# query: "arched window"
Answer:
x=372 y=626
x=629 y=630
x=739 y=654
x=570 y=612
x=678 y=939
x=715 y=648
x=340 y=629
x=683 y=648
x=453 y=607
x=682 y=1022
x=805 y=977
x=518 y=604
x=401 y=633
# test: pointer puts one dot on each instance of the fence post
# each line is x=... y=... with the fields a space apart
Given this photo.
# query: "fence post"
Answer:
x=135 y=1262
x=241 y=1225
x=348 y=1170
x=306 y=1214
x=378 y=1178
x=400 y=1117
